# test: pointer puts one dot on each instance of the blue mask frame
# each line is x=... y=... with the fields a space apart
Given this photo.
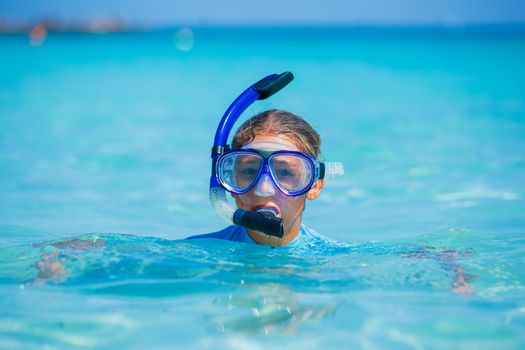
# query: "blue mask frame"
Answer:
x=317 y=169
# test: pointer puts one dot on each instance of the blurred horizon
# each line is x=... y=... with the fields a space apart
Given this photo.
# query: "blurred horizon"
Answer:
x=111 y=15
x=107 y=26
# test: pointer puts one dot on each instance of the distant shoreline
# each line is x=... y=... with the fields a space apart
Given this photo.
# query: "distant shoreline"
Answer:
x=107 y=27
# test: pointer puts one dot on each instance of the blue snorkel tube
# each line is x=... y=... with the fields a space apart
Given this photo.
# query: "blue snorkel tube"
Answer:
x=266 y=223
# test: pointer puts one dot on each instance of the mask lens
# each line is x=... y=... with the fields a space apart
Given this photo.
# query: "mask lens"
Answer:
x=238 y=171
x=293 y=172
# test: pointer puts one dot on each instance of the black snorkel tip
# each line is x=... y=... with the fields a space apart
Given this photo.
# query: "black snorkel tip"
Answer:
x=261 y=222
x=272 y=84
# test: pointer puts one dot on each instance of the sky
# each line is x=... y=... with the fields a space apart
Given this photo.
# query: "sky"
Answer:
x=270 y=12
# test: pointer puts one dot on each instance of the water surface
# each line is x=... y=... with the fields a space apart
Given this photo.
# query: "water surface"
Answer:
x=112 y=133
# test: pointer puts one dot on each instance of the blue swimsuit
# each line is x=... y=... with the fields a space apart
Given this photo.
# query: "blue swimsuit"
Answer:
x=306 y=236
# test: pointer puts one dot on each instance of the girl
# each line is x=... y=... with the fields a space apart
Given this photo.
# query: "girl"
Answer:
x=273 y=169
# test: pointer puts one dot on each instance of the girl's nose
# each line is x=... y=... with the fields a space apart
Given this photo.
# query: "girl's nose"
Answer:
x=265 y=186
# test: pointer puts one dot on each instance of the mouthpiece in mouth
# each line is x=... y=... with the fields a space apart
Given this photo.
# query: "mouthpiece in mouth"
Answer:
x=264 y=220
x=269 y=212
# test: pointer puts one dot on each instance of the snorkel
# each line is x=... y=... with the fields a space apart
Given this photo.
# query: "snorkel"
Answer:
x=265 y=222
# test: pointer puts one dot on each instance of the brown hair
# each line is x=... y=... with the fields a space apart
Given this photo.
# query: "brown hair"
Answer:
x=279 y=122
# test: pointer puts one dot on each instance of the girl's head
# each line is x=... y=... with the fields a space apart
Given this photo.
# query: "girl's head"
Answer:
x=277 y=130
x=282 y=124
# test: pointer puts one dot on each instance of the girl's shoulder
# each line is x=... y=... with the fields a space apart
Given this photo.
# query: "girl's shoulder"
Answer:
x=231 y=233
x=310 y=237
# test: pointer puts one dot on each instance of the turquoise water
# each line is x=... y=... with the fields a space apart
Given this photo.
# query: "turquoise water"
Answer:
x=111 y=133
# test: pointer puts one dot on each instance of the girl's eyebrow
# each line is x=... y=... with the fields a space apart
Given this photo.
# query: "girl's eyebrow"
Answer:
x=248 y=161
x=284 y=162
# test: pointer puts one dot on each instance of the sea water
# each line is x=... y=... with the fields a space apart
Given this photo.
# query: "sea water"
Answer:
x=104 y=167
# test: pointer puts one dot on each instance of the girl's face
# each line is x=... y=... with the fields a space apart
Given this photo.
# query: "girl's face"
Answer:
x=266 y=195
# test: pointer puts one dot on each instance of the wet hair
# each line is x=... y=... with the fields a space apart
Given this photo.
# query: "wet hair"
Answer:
x=280 y=123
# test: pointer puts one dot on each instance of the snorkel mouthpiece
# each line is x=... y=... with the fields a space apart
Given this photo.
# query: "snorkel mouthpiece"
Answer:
x=265 y=221
x=267 y=211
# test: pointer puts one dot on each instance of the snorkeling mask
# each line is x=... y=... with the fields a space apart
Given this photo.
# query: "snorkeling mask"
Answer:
x=293 y=173
x=238 y=171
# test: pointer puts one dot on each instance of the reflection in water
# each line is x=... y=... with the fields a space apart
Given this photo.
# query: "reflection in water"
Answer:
x=268 y=309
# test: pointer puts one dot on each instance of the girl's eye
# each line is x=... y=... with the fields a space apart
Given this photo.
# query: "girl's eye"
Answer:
x=285 y=173
x=248 y=172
